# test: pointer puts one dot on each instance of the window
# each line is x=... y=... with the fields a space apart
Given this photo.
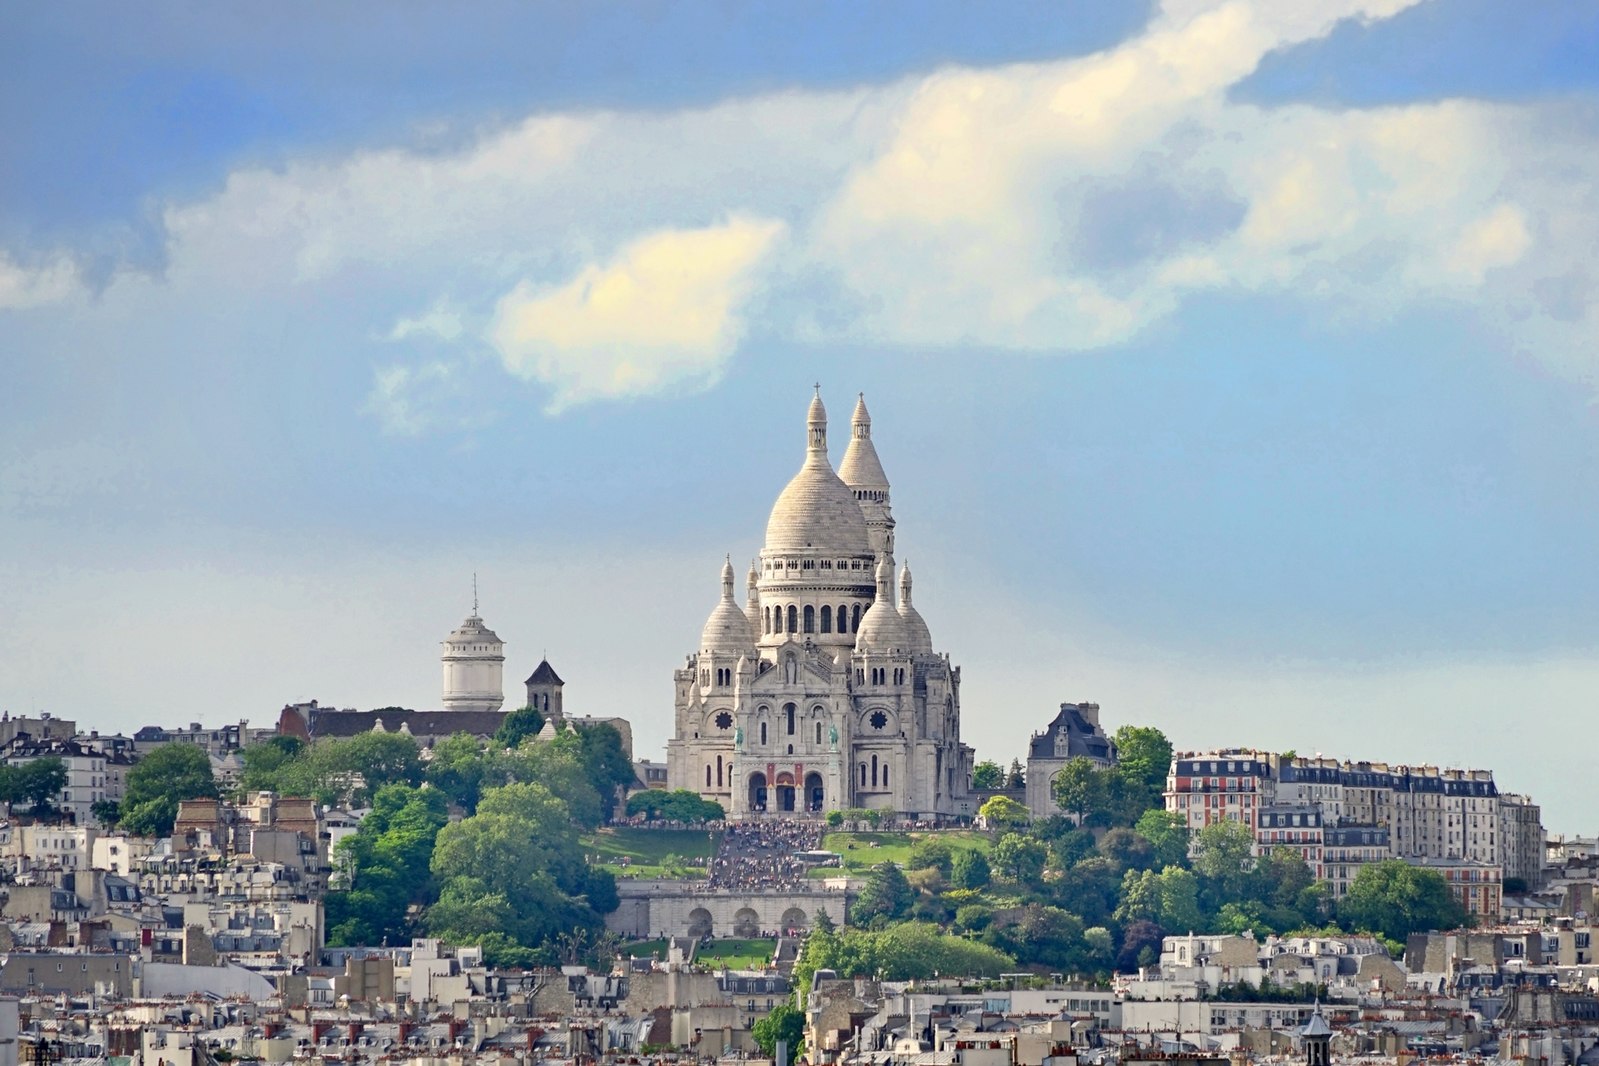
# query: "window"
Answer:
x=793 y=619
x=827 y=618
x=810 y=619
x=818 y=732
x=855 y=619
x=879 y=720
x=763 y=733
x=724 y=720
x=843 y=618
x=788 y=711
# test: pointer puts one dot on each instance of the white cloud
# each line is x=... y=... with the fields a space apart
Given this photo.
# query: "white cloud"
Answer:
x=1048 y=207
x=664 y=310
x=50 y=283
x=438 y=322
x=406 y=400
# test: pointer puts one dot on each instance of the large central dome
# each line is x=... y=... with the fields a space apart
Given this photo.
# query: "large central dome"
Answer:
x=816 y=511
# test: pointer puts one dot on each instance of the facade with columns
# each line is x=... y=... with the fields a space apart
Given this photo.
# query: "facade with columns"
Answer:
x=823 y=691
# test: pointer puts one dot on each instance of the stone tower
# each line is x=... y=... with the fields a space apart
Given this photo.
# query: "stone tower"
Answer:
x=474 y=666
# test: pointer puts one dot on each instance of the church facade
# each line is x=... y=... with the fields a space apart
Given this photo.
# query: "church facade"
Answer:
x=822 y=691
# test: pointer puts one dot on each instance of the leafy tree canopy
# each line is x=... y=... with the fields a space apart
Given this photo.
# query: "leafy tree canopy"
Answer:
x=679 y=805
x=1396 y=899
x=160 y=781
x=988 y=775
x=886 y=895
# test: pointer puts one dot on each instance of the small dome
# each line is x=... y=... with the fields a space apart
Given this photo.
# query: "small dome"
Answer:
x=921 y=639
x=816 y=510
x=472 y=631
x=728 y=629
x=881 y=627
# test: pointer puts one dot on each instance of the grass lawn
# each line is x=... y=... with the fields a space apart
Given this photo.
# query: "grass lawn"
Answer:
x=862 y=851
x=633 y=851
x=736 y=954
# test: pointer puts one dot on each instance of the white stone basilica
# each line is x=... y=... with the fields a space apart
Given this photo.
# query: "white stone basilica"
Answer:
x=822 y=692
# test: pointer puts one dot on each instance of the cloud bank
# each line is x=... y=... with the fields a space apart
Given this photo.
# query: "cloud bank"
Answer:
x=1053 y=207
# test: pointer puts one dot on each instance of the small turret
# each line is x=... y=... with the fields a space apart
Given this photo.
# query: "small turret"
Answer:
x=920 y=638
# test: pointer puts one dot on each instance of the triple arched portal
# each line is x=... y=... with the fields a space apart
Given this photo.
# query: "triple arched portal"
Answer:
x=784 y=794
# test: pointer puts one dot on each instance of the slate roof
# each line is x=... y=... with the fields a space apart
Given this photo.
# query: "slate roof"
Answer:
x=328 y=722
x=1083 y=737
x=544 y=674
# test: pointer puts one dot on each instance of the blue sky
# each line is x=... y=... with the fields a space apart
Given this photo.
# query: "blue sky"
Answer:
x=1233 y=363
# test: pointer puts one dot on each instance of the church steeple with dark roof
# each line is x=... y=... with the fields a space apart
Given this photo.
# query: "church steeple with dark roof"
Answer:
x=544 y=690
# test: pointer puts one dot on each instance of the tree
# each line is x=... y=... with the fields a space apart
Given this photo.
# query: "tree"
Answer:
x=1167 y=833
x=161 y=780
x=558 y=765
x=679 y=805
x=518 y=726
x=1039 y=935
x=1000 y=812
x=931 y=853
x=822 y=922
x=1224 y=856
x=516 y=868
x=988 y=775
x=385 y=867
x=1020 y=858
x=1140 y=946
x=1143 y=757
x=1396 y=899
x=609 y=769
x=1016 y=778
x=457 y=769
x=785 y=1023
x=1127 y=849
x=1081 y=788
x=37 y=782
x=263 y=762
x=886 y=895
x=970 y=869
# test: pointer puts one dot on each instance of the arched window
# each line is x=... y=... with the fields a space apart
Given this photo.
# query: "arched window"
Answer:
x=863 y=775
x=810 y=619
x=855 y=619
x=707 y=775
x=718 y=771
x=874 y=771
x=766 y=619
x=788 y=711
x=885 y=775
x=827 y=618
x=793 y=619
x=763 y=733
x=818 y=732
x=843 y=617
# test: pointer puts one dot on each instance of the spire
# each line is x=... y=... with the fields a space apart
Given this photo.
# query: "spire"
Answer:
x=905 y=585
x=861 y=422
x=727 y=579
x=816 y=425
x=885 y=580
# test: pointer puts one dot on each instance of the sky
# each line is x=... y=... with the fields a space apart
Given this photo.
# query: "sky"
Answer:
x=1235 y=364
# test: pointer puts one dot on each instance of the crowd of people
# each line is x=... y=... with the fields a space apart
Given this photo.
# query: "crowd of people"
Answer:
x=757 y=856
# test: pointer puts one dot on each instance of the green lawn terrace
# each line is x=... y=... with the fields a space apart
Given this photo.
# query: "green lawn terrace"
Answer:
x=734 y=954
x=643 y=852
x=862 y=851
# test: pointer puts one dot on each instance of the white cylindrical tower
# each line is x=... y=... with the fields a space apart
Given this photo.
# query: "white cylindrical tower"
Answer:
x=474 y=667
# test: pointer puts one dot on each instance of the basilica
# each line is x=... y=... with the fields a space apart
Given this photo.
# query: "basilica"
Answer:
x=822 y=691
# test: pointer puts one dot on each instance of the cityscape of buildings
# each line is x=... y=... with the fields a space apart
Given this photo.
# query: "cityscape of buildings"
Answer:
x=819 y=700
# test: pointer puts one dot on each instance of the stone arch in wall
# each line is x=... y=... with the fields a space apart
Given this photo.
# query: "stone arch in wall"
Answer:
x=794 y=921
x=746 y=923
x=699 y=922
